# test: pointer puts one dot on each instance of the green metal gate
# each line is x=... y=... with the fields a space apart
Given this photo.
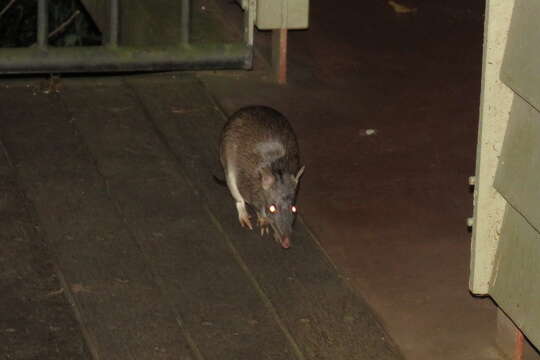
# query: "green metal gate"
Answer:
x=113 y=56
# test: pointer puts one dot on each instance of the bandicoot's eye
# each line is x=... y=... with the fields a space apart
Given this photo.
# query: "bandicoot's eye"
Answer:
x=272 y=208
x=293 y=209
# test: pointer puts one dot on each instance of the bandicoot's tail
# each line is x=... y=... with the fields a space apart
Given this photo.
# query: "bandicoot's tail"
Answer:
x=221 y=182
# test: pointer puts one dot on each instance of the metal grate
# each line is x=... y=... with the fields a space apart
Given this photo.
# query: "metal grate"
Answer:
x=112 y=57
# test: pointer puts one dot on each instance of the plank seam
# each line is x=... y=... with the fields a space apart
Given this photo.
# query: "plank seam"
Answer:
x=265 y=299
x=394 y=346
x=157 y=279
x=89 y=339
x=86 y=149
x=339 y=272
x=268 y=304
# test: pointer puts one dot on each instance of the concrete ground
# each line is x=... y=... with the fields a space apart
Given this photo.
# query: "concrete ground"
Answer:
x=386 y=110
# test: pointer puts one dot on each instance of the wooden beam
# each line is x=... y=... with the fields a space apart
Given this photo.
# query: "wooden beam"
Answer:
x=279 y=55
x=519 y=345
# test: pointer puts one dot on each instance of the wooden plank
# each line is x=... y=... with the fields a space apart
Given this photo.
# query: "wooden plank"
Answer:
x=522 y=54
x=495 y=103
x=518 y=173
x=122 y=310
x=516 y=283
x=279 y=55
x=36 y=320
x=324 y=317
x=219 y=307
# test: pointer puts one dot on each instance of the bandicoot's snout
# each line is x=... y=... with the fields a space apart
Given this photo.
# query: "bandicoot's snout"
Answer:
x=283 y=236
x=285 y=242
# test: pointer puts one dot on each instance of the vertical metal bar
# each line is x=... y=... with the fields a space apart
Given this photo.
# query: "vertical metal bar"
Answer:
x=249 y=22
x=43 y=24
x=186 y=21
x=114 y=14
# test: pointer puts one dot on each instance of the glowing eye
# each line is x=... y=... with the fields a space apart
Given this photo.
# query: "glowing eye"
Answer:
x=293 y=209
x=272 y=209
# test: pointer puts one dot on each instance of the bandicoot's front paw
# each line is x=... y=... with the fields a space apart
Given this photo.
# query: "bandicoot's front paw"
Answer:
x=245 y=221
x=264 y=230
x=264 y=225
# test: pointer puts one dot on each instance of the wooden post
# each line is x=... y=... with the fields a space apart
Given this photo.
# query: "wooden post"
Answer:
x=519 y=345
x=279 y=54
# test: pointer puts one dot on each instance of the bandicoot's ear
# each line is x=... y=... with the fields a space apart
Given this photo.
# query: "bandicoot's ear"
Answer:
x=267 y=179
x=299 y=174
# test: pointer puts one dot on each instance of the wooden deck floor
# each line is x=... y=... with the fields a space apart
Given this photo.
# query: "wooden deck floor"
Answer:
x=146 y=246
